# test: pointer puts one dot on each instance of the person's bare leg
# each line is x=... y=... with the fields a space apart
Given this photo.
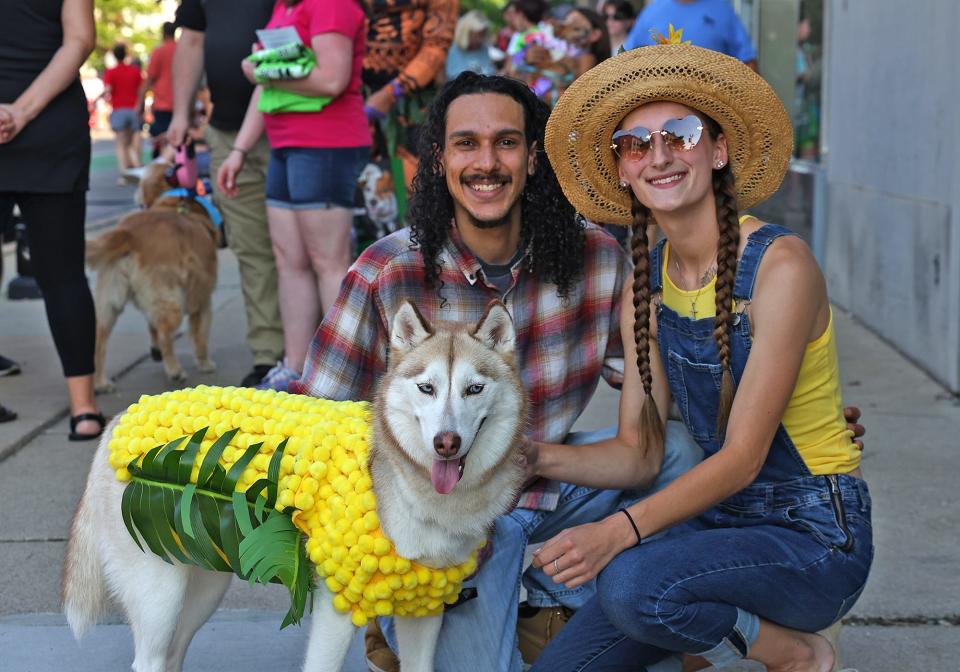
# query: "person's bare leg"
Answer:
x=297 y=286
x=327 y=237
x=121 y=144
x=80 y=390
x=785 y=650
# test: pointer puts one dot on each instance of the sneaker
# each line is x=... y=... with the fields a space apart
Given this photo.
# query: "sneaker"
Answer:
x=8 y=367
x=380 y=657
x=6 y=415
x=278 y=378
x=258 y=373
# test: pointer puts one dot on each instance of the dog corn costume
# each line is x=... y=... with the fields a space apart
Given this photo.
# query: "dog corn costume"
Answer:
x=324 y=482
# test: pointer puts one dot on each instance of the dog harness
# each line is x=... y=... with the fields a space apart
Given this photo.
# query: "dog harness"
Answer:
x=215 y=217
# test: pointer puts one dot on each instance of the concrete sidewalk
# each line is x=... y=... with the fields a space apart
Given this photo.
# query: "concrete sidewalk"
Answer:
x=906 y=620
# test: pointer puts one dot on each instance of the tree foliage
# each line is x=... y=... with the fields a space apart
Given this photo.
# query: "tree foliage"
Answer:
x=123 y=21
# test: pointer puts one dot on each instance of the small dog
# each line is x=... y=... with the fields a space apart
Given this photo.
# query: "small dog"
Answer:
x=448 y=422
x=164 y=259
x=379 y=198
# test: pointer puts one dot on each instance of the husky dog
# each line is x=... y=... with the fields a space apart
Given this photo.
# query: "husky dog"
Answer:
x=449 y=418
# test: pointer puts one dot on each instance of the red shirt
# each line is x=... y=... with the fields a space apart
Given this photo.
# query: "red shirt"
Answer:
x=160 y=71
x=124 y=82
x=342 y=123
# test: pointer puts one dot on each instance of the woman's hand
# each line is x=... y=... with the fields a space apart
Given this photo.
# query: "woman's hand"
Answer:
x=852 y=415
x=12 y=121
x=227 y=175
x=248 y=68
x=577 y=555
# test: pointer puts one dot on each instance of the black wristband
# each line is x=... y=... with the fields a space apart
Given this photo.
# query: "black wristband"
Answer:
x=632 y=524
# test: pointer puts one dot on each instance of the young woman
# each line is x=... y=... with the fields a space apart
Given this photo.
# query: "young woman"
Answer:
x=315 y=160
x=768 y=539
x=588 y=31
x=619 y=15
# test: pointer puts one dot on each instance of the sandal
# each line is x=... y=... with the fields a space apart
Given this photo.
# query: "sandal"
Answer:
x=81 y=417
x=6 y=415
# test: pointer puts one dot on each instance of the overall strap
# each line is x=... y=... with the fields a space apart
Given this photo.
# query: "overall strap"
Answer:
x=656 y=267
x=753 y=252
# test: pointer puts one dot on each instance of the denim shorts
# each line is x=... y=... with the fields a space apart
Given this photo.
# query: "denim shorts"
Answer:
x=123 y=119
x=312 y=178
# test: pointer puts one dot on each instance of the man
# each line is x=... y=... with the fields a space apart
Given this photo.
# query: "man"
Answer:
x=160 y=81
x=216 y=35
x=488 y=221
x=121 y=87
x=711 y=24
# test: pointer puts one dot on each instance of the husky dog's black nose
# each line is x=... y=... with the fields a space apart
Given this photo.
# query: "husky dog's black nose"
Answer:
x=446 y=444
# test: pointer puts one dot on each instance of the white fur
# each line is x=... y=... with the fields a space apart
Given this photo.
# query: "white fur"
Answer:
x=166 y=604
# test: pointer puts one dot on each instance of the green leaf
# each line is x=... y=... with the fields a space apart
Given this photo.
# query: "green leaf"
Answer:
x=212 y=458
x=212 y=525
x=275 y=551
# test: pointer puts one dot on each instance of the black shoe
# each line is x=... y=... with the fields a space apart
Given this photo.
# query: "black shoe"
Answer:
x=253 y=378
x=6 y=415
x=8 y=367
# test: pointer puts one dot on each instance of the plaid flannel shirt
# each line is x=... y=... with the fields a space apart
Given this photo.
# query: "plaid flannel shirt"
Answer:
x=562 y=347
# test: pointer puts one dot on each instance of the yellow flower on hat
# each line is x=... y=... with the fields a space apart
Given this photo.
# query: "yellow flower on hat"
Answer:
x=675 y=37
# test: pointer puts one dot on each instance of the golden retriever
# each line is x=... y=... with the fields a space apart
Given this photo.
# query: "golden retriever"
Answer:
x=164 y=259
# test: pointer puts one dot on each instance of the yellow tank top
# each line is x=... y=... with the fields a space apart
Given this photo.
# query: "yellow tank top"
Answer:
x=814 y=416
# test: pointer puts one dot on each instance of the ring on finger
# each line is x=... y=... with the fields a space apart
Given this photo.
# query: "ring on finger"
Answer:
x=556 y=566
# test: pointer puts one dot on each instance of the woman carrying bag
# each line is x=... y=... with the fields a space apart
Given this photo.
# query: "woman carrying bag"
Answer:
x=319 y=141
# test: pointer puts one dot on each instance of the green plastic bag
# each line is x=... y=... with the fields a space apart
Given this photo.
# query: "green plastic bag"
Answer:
x=294 y=61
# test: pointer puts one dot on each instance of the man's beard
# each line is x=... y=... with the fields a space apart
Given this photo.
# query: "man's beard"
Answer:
x=490 y=223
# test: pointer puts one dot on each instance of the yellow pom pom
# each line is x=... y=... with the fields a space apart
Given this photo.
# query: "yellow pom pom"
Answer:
x=359 y=618
x=341 y=604
x=383 y=608
x=381 y=546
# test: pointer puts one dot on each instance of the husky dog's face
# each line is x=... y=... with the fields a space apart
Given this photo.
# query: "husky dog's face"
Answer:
x=450 y=386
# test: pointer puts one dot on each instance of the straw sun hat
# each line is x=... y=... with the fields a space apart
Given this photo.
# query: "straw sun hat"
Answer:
x=754 y=121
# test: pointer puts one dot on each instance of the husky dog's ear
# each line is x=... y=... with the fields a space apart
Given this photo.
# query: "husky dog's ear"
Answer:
x=495 y=329
x=409 y=328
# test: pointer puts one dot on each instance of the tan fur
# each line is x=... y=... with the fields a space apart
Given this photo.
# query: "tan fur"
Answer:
x=164 y=259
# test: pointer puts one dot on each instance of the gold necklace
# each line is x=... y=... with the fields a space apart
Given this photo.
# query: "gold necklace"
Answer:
x=705 y=279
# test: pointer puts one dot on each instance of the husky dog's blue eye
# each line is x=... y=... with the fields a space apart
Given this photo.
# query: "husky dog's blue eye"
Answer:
x=426 y=388
x=476 y=388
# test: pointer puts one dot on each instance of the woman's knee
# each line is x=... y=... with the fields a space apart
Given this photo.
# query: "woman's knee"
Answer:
x=627 y=596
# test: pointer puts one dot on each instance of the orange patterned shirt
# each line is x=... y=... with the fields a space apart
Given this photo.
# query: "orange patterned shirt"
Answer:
x=407 y=40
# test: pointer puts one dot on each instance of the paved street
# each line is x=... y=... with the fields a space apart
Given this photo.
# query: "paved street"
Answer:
x=906 y=620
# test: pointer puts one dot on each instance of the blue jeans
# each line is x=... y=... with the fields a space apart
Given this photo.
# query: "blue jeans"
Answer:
x=314 y=178
x=481 y=634
x=786 y=552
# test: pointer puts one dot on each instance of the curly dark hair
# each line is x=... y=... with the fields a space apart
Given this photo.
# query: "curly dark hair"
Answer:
x=550 y=226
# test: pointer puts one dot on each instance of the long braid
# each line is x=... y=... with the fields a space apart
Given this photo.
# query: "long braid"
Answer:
x=651 y=427
x=727 y=246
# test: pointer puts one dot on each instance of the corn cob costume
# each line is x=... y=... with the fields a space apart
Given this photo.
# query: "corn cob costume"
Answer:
x=324 y=484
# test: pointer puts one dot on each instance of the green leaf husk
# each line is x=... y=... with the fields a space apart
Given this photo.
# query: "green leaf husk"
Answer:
x=211 y=525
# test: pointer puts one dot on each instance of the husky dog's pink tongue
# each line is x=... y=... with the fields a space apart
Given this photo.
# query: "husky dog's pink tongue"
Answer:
x=445 y=475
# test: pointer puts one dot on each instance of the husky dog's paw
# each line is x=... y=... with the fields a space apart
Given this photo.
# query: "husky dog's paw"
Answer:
x=103 y=385
x=206 y=366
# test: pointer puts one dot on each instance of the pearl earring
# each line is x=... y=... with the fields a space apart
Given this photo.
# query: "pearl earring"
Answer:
x=623 y=184
x=719 y=164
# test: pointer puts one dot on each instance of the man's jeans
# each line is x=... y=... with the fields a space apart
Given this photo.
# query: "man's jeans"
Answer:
x=481 y=634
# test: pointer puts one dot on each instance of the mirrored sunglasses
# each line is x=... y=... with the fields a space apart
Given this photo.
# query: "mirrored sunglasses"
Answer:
x=680 y=135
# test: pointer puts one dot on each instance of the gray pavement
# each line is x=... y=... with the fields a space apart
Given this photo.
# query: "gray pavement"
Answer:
x=906 y=620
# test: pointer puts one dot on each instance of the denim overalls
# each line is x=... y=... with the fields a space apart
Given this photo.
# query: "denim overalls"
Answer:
x=792 y=548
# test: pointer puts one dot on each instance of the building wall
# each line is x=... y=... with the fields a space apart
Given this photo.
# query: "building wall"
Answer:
x=893 y=197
